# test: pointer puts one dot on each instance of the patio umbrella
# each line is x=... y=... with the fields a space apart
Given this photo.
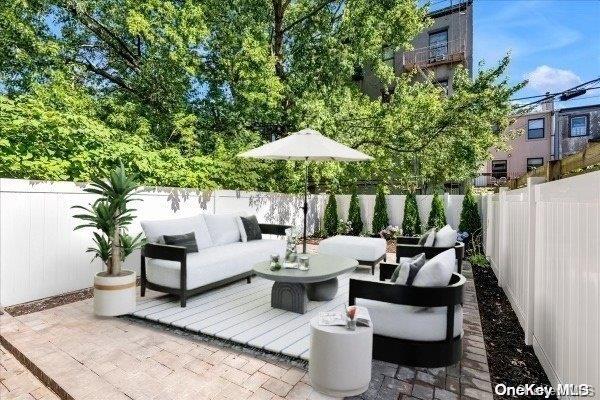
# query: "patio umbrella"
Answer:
x=306 y=145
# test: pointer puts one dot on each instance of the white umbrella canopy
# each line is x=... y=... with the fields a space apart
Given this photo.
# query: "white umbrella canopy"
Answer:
x=306 y=145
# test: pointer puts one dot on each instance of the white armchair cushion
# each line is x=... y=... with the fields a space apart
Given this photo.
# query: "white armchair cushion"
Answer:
x=410 y=323
x=154 y=230
x=223 y=228
x=445 y=237
x=357 y=247
x=437 y=271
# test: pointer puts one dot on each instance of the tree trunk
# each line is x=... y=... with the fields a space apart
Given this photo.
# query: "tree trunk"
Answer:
x=278 y=12
x=115 y=267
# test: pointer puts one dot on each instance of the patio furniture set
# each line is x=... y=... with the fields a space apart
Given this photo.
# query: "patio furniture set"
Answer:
x=415 y=307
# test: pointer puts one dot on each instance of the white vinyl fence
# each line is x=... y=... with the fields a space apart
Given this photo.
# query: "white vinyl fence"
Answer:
x=543 y=242
x=41 y=255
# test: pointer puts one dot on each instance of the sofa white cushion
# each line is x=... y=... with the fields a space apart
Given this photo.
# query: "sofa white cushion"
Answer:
x=357 y=247
x=240 y=224
x=437 y=271
x=154 y=230
x=403 y=322
x=223 y=228
x=214 y=264
x=445 y=237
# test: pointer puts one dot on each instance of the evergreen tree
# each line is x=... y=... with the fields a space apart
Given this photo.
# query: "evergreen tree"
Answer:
x=470 y=220
x=354 y=214
x=380 y=215
x=330 y=219
x=437 y=215
x=411 y=223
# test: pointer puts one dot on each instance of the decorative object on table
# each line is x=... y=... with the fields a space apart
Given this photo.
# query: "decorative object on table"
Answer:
x=303 y=261
x=275 y=264
x=340 y=359
x=291 y=252
x=110 y=214
x=350 y=314
x=306 y=145
x=390 y=232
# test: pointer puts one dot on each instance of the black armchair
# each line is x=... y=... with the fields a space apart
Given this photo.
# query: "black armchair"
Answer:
x=406 y=246
x=179 y=254
x=409 y=352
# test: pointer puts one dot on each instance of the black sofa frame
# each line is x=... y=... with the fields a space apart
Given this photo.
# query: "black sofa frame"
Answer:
x=179 y=253
x=426 y=354
x=407 y=246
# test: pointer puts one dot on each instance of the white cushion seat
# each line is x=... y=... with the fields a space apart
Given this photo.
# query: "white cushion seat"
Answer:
x=411 y=323
x=357 y=247
x=214 y=263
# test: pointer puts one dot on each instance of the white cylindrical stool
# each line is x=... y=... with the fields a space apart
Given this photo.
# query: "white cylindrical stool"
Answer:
x=340 y=359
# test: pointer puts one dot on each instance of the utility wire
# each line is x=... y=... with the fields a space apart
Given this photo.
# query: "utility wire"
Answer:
x=553 y=95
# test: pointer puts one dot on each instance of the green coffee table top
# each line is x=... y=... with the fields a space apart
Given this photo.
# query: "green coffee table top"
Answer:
x=321 y=268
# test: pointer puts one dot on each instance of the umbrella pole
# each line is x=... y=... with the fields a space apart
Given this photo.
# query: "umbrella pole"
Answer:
x=305 y=208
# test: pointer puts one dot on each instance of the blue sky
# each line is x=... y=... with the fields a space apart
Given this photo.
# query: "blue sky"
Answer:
x=554 y=43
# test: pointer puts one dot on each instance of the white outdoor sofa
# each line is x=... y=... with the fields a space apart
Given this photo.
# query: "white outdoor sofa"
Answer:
x=222 y=256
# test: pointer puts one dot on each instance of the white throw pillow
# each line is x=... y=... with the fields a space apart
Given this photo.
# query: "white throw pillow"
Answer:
x=430 y=238
x=223 y=228
x=437 y=271
x=154 y=230
x=445 y=237
x=415 y=263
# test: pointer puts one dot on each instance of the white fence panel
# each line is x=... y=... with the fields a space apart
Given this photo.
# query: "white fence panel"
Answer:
x=566 y=335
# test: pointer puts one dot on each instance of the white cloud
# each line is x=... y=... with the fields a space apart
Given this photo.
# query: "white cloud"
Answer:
x=547 y=79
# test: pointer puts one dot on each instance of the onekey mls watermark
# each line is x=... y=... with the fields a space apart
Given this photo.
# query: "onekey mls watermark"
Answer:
x=567 y=389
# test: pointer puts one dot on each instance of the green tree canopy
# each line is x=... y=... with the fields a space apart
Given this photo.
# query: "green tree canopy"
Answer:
x=202 y=81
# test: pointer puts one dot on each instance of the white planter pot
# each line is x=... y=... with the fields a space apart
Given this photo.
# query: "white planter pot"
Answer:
x=114 y=295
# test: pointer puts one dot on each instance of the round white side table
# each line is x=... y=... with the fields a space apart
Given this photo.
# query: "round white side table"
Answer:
x=340 y=359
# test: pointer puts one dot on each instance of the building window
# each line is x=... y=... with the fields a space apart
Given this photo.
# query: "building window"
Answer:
x=535 y=162
x=535 y=128
x=387 y=55
x=578 y=125
x=438 y=45
x=499 y=168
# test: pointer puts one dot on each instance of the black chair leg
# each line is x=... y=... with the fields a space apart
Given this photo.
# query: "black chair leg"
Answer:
x=249 y=279
x=183 y=300
x=142 y=290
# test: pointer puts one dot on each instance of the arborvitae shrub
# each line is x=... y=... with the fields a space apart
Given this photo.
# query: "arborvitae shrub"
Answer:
x=380 y=215
x=330 y=219
x=470 y=220
x=437 y=215
x=411 y=223
x=354 y=215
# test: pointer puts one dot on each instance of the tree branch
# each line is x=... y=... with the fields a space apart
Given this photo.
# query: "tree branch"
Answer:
x=310 y=14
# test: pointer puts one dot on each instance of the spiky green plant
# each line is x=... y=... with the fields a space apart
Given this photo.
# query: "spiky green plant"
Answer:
x=380 y=215
x=110 y=214
x=354 y=215
x=470 y=221
x=330 y=219
x=437 y=215
x=411 y=222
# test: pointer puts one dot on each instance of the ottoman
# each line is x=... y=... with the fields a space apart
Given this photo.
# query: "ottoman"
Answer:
x=340 y=360
x=366 y=250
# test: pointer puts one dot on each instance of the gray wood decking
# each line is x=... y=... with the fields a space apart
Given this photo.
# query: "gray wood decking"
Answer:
x=242 y=313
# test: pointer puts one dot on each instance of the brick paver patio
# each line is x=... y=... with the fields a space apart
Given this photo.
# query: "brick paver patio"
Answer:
x=86 y=357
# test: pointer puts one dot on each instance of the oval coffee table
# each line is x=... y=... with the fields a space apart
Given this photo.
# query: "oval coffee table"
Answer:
x=293 y=288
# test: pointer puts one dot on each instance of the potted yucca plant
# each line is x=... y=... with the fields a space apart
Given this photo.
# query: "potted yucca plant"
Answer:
x=109 y=215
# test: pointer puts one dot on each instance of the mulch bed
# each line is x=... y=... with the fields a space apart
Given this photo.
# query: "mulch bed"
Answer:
x=511 y=362
x=49 y=302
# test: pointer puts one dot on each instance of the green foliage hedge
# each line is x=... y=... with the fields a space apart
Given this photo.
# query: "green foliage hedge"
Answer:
x=330 y=218
x=354 y=215
x=411 y=222
x=470 y=220
x=380 y=215
x=437 y=215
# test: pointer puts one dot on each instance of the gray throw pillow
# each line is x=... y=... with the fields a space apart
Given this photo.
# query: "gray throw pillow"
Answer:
x=187 y=240
x=405 y=272
x=252 y=228
x=423 y=238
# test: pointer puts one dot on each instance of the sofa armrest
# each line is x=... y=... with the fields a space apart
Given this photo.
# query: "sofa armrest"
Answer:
x=273 y=229
x=446 y=296
x=164 y=252
x=386 y=270
x=407 y=240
